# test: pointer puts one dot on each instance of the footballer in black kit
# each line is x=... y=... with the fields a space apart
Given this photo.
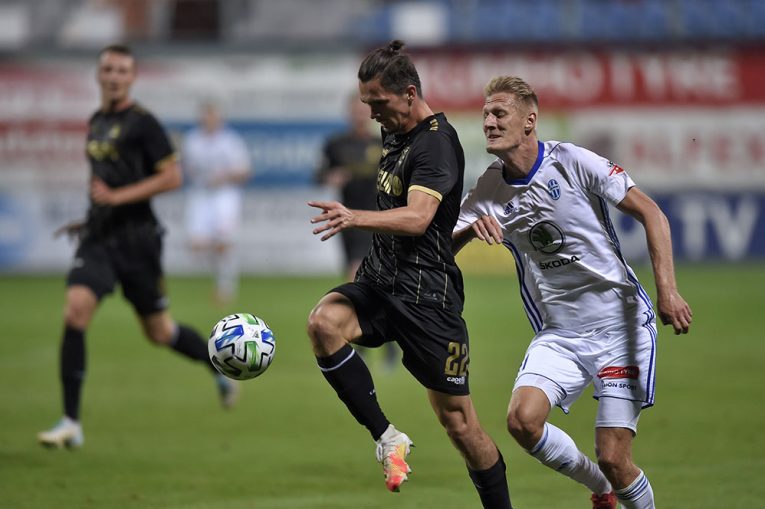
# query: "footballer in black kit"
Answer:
x=409 y=287
x=131 y=160
x=124 y=243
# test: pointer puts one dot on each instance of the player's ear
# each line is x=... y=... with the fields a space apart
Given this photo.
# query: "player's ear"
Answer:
x=411 y=92
x=531 y=122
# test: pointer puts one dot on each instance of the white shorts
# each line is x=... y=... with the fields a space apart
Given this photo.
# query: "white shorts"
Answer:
x=620 y=363
x=213 y=216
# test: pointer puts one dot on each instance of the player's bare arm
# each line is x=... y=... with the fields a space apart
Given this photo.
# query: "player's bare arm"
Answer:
x=673 y=309
x=486 y=228
x=167 y=178
x=412 y=220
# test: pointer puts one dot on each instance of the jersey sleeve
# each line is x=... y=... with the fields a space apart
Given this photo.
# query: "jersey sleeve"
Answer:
x=435 y=166
x=603 y=177
x=155 y=142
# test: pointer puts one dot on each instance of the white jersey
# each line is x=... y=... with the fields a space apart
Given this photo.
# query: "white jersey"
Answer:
x=206 y=156
x=557 y=226
x=213 y=213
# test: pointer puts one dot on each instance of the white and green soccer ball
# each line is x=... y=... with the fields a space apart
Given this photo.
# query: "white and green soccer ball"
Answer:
x=241 y=346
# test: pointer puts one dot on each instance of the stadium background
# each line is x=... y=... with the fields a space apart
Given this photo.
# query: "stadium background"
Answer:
x=673 y=91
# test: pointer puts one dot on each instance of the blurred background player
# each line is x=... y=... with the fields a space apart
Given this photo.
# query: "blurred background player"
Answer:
x=408 y=289
x=217 y=163
x=593 y=321
x=131 y=161
x=349 y=164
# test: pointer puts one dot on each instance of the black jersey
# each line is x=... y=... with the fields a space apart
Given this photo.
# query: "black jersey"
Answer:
x=421 y=269
x=123 y=148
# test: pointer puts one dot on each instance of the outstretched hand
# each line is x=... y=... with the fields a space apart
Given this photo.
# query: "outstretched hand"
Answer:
x=335 y=216
x=487 y=229
x=674 y=311
x=72 y=230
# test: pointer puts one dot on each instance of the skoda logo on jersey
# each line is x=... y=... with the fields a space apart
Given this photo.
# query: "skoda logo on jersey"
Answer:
x=547 y=237
x=553 y=188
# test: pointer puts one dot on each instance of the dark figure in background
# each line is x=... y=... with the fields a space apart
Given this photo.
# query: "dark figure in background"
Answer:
x=131 y=161
x=408 y=288
x=349 y=164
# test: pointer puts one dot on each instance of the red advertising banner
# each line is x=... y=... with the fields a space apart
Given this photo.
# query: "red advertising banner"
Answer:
x=43 y=142
x=580 y=79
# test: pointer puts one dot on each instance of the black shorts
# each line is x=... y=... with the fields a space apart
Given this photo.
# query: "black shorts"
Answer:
x=130 y=256
x=434 y=341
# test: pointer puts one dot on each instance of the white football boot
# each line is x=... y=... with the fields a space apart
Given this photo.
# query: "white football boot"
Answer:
x=392 y=450
x=66 y=433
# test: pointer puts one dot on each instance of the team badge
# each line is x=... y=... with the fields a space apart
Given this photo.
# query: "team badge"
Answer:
x=553 y=188
x=547 y=237
x=509 y=208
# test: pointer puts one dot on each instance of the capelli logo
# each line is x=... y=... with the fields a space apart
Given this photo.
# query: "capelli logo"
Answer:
x=619 y=372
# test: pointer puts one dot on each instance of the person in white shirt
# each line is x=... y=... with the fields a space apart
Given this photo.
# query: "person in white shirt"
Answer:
x=547 y=202
x=216 y=161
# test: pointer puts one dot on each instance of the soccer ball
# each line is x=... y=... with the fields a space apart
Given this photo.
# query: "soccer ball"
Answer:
x=241 y=346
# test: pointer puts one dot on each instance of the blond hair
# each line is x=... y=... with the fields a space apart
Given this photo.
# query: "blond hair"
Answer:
x=512 y=85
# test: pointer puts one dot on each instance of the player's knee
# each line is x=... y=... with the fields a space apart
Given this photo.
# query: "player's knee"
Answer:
x=75 y=318
x=77 y=313
x=321 y=326
x=523 y=424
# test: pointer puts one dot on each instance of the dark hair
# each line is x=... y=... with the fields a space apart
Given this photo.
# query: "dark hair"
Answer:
x=122 y=49
x=394 y=68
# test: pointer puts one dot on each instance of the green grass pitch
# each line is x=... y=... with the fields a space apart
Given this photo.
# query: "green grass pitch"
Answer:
x=156 y=437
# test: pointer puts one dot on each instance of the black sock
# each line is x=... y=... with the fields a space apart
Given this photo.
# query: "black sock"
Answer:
x=189 y=343
x=348 y=375
x=491 y=485
x=72 y=370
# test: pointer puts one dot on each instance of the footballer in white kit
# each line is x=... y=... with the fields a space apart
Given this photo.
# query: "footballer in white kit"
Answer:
x=592 y=318
x=548 y=203
x=216 y=161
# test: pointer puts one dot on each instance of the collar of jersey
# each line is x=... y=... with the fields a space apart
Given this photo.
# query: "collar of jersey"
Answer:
x=419 y=127
x=525 y=180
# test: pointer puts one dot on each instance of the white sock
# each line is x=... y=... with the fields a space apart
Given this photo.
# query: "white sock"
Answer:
x=388 y=434
x=638 y=495
x=558 y=451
